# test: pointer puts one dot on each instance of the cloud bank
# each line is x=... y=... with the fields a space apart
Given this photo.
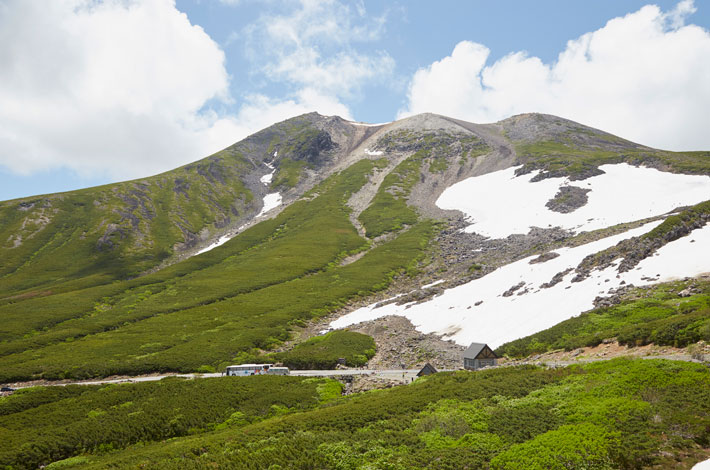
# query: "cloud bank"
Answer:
x=126 y=88
x=115 y=87
x=644 y=77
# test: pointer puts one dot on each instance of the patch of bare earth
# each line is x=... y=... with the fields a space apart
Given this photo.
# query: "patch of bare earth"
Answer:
x=699 y=352
x=401 y=346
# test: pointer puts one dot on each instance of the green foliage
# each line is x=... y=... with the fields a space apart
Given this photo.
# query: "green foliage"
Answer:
x=62 y=242
x=323 y=352
x=389 y=210
x=621 y=414
x=207 y=310
x=648 y=315
x=67 y=463
x=288 y=174
x=567 y=157
x=571 y=446
x=686 y=218
x=40 y=425
x=328 y=390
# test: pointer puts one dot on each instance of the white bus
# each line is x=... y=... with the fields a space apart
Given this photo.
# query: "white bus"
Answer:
x=248 y=369
x=278 y=371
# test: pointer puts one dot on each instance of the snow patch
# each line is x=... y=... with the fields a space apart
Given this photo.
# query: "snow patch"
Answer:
x=266 y=179
x=435 y=283
x=376 y=153
x=478 y=310
x=500 y=204
x=364 y=124
x=220 y=241
x=704 y=465
x=271 y=201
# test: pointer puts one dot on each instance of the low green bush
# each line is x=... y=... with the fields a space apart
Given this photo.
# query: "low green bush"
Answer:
x=620 y=414
x=323 y=352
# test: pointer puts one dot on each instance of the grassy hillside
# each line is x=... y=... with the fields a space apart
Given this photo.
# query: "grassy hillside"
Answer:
x=67 y=241
x=94 y=236
x=621 y=414
x=389 y=211
x=323 y=352
x=243 y=295
x=41 y=425
x=559 y=147
x=655 y=314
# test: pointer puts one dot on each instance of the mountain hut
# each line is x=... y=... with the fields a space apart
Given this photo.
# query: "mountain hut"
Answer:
x=428 y=369
x=479 y=355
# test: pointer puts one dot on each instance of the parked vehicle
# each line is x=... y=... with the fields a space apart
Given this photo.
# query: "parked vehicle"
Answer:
x=278 y=371
x=255 y=369
x=248 y=369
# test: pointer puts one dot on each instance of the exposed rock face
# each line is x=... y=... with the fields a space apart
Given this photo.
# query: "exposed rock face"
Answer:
x=399 y=344
x=544 y=257
x=512 y=290
x=568 y=199
x=556 y=279
x=636 y=249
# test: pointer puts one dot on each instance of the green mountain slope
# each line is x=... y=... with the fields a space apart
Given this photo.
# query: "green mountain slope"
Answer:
x=101 y=281
x=237 y=297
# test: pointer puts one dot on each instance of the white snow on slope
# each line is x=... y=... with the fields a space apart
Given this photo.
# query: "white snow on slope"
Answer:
x=500 y=204
x=500 y=319
x=435 y=283
x=704 y=465
x=271 y=201
x=687 y=256
x=376 y=153
x=266 y=179
x=220 y=241
x=365 y=124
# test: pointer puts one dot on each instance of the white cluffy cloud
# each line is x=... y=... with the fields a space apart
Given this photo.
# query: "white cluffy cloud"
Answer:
x=126 y=88
x=312 y=47
x=644 y=76
x=309 y=48
x=115 y=87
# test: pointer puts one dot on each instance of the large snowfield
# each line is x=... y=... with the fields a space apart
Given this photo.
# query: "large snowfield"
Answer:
x=501 y=204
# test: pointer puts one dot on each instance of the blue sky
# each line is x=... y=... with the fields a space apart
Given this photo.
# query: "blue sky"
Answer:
x=95 y=92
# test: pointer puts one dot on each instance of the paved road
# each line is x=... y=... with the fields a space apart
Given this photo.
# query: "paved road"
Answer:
x=404 y=375
x=400 y=374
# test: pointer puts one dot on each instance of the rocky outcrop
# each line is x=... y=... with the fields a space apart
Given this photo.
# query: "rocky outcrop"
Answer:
x=568 y=199
x=633 y=250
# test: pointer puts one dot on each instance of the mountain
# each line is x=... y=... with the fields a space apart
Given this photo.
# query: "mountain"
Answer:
x=410 y=239
x=486 y=232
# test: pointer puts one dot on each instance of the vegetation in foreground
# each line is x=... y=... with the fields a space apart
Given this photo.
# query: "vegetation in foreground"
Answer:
x=654 y=314
x=44 y=424
x=620 y=414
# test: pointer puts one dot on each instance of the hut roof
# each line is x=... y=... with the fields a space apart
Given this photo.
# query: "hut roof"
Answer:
x=427 y=370
x=475 y=349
